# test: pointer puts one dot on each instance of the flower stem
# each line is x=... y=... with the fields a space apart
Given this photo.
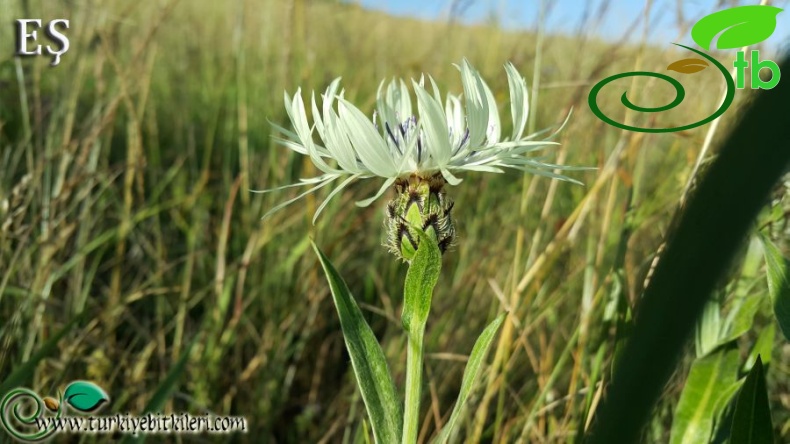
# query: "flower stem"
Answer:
x=413 y=386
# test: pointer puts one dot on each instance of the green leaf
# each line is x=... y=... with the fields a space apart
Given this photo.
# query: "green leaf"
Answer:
x=739 y=26
x=762 y=347
x=708 y=329
x=85 y=396
x=367 y=359
x=163 y=392
x=421 y=277
x=708 y=389
x=166 y=387
x=751 y=422
x=479 y=352
x=741 y=317
x=778 y=273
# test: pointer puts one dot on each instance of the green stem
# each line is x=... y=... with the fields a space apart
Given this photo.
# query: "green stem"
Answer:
x=413 y=384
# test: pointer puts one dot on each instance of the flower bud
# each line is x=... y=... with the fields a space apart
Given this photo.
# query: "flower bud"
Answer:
x=421 y=203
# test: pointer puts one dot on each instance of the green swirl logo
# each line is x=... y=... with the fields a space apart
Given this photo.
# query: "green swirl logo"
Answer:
x=22 y=410
x=735 y=27
x=12 y=416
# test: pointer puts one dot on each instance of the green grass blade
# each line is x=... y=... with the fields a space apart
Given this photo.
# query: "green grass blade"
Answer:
x=367 y=359
x=710 y=384
x=163 y=392
x=24 y=372
x=710 y=231
x=751 y=422
x=421 y=277
x=778 y=273
x=471 y=373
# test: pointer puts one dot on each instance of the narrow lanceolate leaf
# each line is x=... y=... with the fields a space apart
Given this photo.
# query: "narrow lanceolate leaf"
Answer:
x=762 y=348
x=367 y=359
x=711 y=380
x=751 y=422
x=421 y=277
x=471 y=373
x=778 y=272
x=736 y=27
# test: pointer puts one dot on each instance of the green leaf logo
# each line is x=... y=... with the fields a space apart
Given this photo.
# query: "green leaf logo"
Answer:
x=688 y=66
x=85 y=396
x=739 y=26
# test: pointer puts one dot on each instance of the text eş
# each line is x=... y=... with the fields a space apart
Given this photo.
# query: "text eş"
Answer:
x=24 y=34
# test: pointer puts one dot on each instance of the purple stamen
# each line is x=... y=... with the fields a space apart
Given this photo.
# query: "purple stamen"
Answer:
x=466 y=137
x=463 y=142
x=392 y=137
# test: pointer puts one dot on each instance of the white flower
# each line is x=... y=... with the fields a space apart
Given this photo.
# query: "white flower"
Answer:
x=463 y=135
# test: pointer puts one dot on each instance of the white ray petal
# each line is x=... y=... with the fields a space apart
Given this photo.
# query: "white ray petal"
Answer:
x=455 y=119
x=549 y=166
x=365 y=202
x=296 y=113
x=408 y=161
x=338 y=140
x=494 y=128
x=290 y=144
x=301 y=183
x=539 y=172
x=434 y=124
x=333 y=194
x=367 y=142
x=384 y=105
x=519 y=100
x=318 y=122
x=290 y=201
x=448 y=176
x=479 y=168
x=404 y=107
x=476 y=104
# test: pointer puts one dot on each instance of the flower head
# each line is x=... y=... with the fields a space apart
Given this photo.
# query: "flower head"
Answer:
x=417 y=153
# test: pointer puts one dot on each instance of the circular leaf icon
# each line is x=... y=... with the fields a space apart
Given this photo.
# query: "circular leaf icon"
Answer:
x=688 y=66
x=738 y=26
x=85 y=396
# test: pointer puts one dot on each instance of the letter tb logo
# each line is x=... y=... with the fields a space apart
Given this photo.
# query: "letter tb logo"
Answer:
x=741 y=64
x=732 y=28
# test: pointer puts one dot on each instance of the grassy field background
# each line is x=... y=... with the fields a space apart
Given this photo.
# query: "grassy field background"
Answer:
x=124 y=181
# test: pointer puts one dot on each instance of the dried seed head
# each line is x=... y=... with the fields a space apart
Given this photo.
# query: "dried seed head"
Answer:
x=420 y=202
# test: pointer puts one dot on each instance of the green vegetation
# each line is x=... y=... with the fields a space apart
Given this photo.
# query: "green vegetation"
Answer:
x=132 y=253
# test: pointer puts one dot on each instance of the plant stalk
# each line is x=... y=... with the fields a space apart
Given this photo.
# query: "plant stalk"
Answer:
x=413 y=385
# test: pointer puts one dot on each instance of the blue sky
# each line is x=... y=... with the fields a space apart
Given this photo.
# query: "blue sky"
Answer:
x=566 y=15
